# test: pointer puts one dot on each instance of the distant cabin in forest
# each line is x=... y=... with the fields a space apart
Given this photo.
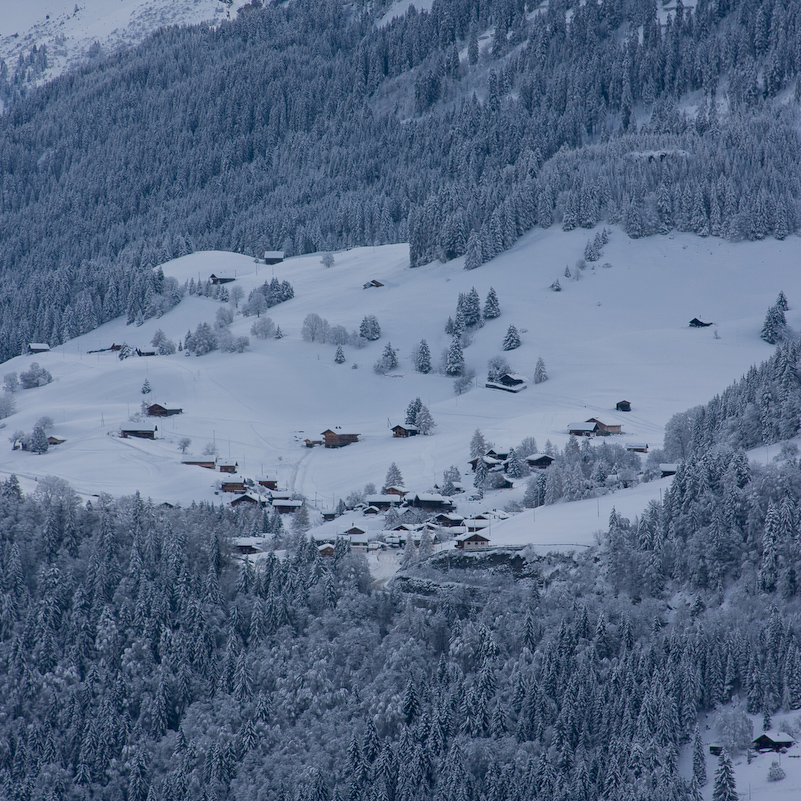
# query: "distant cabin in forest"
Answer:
x=472 y=541
x=582 y=429
x=668 y=469
x=372 y=283
x=273 y=256
x=637 y=447
x=604 y=429
x=623 y=406
x=509 y=382
x=219 y=279
x=765 y=743
x=539 y=461
x=209 y=464
x=157 y=410
x=403 y=431
x=38 y=347
x=326 y=549
x=139 y=433
x=233 y=486
x=333 y=440
x=696 y=323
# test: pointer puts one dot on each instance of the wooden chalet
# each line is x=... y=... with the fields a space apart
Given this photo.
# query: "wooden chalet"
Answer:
x=227 y=467
x=399 y=491
x=38 y=347
x=248 y=499
x=55 y=441
x=491 y=461
x=139 y=433
x=371 y=284
x=233 y=486
x=604 y=429
x=329 y=514
x=765 y=743
x=509 y=382
x=582 y=429
x=248 y=546
x=157 y=410
x=219 y=279
x=273 y=256
x=667 y=469
x=431 y=502
x=623 y=406
x=448 y=520
x=371 y=511
x=209 y=464
x=539 y=461
x=326 y=549
x=269 y=483
x=333 y=440
x=637 y=447
x=403 y=431
x=471 y=541
x=382 y=502
x=286 y=507
x=355 y=530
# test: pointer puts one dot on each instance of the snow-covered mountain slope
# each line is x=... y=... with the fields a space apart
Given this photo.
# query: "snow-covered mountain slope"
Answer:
x=619 y=332
x=69 y=29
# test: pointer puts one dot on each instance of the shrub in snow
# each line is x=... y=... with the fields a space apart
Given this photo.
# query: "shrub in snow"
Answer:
x=776 y=772
x=556 y=286
x=35 y=376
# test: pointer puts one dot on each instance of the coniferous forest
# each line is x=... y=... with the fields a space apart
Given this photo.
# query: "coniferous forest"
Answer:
x=140 y=659
x=308 y=126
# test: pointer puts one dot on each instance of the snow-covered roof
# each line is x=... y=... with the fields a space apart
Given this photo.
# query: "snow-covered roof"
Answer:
x=535 y=457
x=373 y=499
x=582 y=426
x=470 y=535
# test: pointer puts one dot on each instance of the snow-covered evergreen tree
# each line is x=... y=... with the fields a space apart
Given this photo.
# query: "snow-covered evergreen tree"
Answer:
x=411 y=411
x=388 y=360
x=424 y=421
x=512 y=339
x=454 y=358
x=725 y=788
x=422 y=357
x=774 y=328
x=393 y=477
x=540 y=373
x=492 y=307
x=339 y=356
x=369 y=328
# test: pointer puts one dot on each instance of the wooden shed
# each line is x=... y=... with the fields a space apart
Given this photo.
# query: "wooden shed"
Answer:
x=623 y=406
x=157 y=410
x=403 y=431
x=331 y=439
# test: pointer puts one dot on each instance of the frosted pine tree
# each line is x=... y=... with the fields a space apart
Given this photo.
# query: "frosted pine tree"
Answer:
x=471 y=308
x=540 y=373
x=393 y=477
x=774 y=328
x=781 y=302
x=478 y=445
x=412 y=410
x=424 y=421
x=512 y=339
x=422 y=357
x=339 y=358
x=472 y=256
x=454 y=359
x=492 y=308
x=388 y=360
x=725 y=787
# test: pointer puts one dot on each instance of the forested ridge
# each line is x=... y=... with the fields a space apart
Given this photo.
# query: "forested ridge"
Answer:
x=141 y=660
x=307 y=127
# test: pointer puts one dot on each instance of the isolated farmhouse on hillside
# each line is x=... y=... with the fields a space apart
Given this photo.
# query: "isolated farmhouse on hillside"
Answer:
x=333 y=440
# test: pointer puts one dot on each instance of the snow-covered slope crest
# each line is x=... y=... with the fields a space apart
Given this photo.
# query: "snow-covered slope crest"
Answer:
x=619 y=332
x=69 y=29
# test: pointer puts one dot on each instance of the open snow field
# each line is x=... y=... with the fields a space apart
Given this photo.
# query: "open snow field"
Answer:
x=617 y=333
